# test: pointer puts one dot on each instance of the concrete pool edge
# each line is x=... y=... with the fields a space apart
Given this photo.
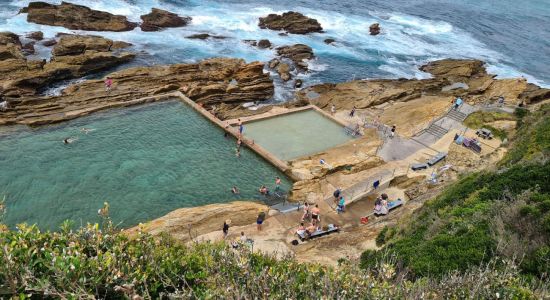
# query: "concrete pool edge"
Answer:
x=278 y=163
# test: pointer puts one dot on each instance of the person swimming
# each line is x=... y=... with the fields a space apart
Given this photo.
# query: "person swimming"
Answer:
x=69 y=140
x=235 y=190
x=86 y=130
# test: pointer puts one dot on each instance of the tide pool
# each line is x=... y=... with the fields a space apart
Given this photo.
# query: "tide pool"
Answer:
x=145 y=161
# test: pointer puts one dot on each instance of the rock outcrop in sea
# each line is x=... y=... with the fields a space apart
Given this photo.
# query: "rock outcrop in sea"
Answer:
x=291 y=22
x=374 y=29
x=158 y=19
x=72 y=57
x=76 y=17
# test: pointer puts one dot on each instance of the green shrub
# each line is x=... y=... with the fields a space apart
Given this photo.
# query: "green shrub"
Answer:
x=381 y=238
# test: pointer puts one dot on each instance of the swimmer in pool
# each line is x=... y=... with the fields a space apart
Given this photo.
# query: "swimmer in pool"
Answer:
x=69 y=140
x=86 y=130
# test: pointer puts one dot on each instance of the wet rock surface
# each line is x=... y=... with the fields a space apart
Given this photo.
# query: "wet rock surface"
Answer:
x=158 y=19
x=292 y=22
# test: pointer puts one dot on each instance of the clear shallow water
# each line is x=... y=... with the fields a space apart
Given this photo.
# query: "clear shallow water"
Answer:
x=145 y=161
x=512 y=36
x=297 y=134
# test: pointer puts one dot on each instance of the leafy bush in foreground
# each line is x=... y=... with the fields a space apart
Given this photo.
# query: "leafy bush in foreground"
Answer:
x=106 y=264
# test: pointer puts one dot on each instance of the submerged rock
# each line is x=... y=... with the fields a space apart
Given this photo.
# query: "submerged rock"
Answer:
x=76 y=17
x=292 y=22
x=204 y=36
x=158 y=19
x=329 y=41
x=374 y=29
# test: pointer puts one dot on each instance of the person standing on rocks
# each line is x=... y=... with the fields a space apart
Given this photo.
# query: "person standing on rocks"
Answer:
x=315 y=217
x=225 y=228
x=108 y=84
x=352 y=112
x=260 y=221
x=392 y=131
x=332 y=109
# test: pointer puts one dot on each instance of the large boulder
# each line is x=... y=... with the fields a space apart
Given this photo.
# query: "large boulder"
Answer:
x=158 y=19
x=292 y=22
x=76 y=17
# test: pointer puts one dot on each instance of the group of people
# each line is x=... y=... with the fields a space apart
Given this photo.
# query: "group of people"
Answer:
x=312 y=215
x=243 y=238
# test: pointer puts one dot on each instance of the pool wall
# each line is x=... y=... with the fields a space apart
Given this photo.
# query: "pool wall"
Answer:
x=252 y=119
x=281 y=165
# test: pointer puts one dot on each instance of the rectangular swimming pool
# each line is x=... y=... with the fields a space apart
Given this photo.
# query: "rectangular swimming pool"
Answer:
x=297 y=134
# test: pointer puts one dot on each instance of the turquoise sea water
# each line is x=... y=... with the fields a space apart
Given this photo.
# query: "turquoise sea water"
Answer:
x=297 y=134
x=145 y=161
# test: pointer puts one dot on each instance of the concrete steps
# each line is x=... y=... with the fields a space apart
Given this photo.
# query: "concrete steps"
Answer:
x=436 y=130
x=456 y=115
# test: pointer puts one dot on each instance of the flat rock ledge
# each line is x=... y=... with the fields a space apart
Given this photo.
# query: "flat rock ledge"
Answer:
x=75 y=17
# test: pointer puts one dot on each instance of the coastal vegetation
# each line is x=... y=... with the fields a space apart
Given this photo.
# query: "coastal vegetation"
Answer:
x=501 y=214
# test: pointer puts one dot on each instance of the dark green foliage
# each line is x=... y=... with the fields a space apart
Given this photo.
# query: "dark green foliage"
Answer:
x=533 y=136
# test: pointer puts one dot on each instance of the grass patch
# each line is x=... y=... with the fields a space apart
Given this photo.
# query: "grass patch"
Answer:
x=481 y=119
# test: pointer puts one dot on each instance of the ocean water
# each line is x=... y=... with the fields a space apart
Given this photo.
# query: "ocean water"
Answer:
x=511 y=36
x=145 y=161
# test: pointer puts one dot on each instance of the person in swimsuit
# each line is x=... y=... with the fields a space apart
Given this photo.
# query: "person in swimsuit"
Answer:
x=277 y=183
x=239 y=142
x=332 y=109
x=315 y=214
x=306 y=211
x=235 y=190
x=260 y=220
x=238 y=152
x=341 y=205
